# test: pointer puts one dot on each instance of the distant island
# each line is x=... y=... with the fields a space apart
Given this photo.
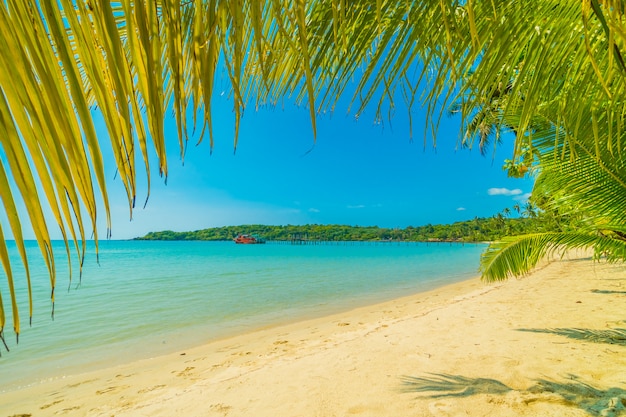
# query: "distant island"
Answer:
x=476 y=230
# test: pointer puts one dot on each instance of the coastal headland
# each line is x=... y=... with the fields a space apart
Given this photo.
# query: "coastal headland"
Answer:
x=552 y=344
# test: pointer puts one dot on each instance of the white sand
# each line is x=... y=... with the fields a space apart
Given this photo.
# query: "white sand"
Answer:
x=463 y=342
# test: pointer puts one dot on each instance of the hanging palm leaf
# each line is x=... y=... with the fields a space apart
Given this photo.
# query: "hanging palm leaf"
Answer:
x=588 y=189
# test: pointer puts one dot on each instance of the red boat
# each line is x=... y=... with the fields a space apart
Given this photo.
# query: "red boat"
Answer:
x=249 y=239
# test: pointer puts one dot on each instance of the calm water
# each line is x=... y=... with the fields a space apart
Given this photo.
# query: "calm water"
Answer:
x=149 y=298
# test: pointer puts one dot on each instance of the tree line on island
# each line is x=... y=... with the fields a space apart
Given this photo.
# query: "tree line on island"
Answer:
x=476 y=230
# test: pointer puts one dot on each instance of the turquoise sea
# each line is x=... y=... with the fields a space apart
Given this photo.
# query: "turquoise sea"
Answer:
x=146 y=298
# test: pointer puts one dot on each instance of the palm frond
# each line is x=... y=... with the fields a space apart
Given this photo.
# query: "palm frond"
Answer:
x=589 y=183
x=516 y=256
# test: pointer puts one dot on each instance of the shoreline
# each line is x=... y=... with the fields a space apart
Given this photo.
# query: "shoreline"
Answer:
x=489 y=349
x=128 y=309
x=235 y=329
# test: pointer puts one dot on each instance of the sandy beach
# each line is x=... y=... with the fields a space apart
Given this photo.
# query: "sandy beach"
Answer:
x=541 y=345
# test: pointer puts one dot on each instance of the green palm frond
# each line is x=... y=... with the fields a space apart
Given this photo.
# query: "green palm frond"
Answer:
x=593 y=184
x=587 y=189
x=516 y=256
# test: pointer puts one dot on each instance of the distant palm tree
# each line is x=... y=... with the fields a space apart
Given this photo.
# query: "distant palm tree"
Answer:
x=134 y=62
x=529 y=210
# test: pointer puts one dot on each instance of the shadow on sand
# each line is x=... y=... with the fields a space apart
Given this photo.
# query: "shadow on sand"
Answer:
x=611 y=336
x=571 y=392
x=608 y=292
x=610 y=402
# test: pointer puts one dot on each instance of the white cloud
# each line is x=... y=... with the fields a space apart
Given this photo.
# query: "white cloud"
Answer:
x=461 y=209
x=524 y=197
x=358 y=206
x=504 y=191
x=314 y=210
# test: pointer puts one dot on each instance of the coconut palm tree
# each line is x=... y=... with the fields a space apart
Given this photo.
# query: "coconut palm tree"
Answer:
x=133 y=62
x=589 y=192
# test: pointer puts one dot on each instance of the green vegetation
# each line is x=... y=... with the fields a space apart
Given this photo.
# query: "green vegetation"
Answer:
x=477 y=230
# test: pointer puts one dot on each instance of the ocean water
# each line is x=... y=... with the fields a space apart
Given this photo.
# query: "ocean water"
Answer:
x=148 y=298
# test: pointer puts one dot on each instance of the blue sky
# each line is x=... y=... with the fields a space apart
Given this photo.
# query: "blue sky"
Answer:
x=355 y=172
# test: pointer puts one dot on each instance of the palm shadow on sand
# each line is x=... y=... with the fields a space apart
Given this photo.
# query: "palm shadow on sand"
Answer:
x=610 y=402
x=608 y=292
x=572 y=392
x=616 y=336
x=610 y=336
